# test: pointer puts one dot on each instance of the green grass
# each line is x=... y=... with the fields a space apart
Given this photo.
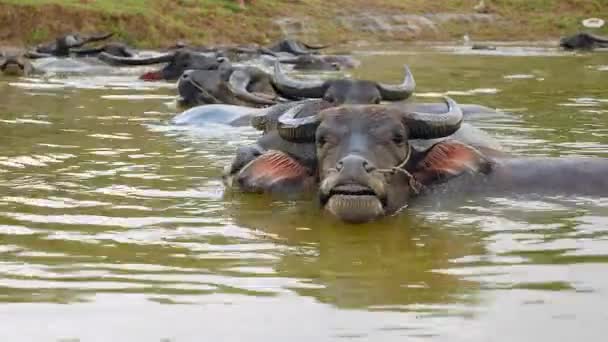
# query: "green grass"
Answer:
x=160 y=22
x=108 y=6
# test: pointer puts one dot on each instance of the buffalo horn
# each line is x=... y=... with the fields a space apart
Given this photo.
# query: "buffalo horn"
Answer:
x=294 y=88
x=238 y=82
x=115 y=60
x=36 y=55
x=433 y=125
x=298 y=130
x=401 y=91
x=97 y=38
x=315 y=47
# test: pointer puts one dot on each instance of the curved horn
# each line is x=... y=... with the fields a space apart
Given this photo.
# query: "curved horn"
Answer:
x=267 y=118
x=401 y=91
x=97 y=38
x=115 y=60
x=238 y=82
x=299 y=130
x=315 y=47
x=267 y=51
x=599 y=39
x=36 y=55
x=88 y=51
x=294 y=88
x=433 y=125
x=295 y=48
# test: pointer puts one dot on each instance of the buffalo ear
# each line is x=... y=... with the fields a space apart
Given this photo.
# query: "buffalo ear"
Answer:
x=274 y=172
x=449 y=159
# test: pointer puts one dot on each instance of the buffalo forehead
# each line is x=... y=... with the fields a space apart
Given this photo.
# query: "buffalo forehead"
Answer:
x=371 y=116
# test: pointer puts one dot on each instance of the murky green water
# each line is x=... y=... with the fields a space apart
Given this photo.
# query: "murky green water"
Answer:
x=114 y=226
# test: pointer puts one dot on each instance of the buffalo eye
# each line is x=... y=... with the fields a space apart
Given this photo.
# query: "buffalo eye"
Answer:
x=377 y=100
x=321 y=141
x=329 y=98
x=398 y=139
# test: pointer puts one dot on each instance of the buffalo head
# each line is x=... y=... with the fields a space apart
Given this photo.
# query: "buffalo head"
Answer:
x=14 y=63
x=247 y=86
x=62 y=45
x=363 y=154
x=344 y=91
x=177 y=62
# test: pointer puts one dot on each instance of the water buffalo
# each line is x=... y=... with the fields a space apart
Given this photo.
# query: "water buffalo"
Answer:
x=583 y=41
x=365 y=166
x=14 y=62
x=321 y=62
x=343 y=91
x=295 y=47
x=177 y=61
x=62 y=46
x=114 y=49
x=245 y=86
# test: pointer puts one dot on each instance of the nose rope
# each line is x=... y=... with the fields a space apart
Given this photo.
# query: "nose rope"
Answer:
x=203 y=91
x=416 y=186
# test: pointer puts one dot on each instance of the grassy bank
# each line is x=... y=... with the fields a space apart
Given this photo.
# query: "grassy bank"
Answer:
x=161 y=22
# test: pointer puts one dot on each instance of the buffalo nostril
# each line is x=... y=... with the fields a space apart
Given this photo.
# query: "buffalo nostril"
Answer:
x=340 y=165
x=367 y=166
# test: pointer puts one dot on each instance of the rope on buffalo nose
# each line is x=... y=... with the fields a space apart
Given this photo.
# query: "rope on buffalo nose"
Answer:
x=204 y=93
x=416 y=186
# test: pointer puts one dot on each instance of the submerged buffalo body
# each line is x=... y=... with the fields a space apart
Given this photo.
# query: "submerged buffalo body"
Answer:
x=364 y=166
x=583 y=41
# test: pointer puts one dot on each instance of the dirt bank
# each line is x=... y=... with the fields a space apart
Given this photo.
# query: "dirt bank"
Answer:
x=153 y=23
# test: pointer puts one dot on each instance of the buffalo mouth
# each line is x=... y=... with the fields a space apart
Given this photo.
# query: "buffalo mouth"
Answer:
x=354 y=203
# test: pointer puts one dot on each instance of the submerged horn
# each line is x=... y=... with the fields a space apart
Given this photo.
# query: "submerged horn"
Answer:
x=238 y=82
x=115 y=60
x=433 y=125
x=298 y=130
x=401 y=91
x=295 y=88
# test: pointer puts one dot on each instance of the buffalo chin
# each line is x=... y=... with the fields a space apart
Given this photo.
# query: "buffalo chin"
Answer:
x=354 y=204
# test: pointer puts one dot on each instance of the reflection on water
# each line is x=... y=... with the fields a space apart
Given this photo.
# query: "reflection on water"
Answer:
x=107 y=208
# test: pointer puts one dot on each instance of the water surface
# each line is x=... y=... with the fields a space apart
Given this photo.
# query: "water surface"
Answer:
x=115 y=226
